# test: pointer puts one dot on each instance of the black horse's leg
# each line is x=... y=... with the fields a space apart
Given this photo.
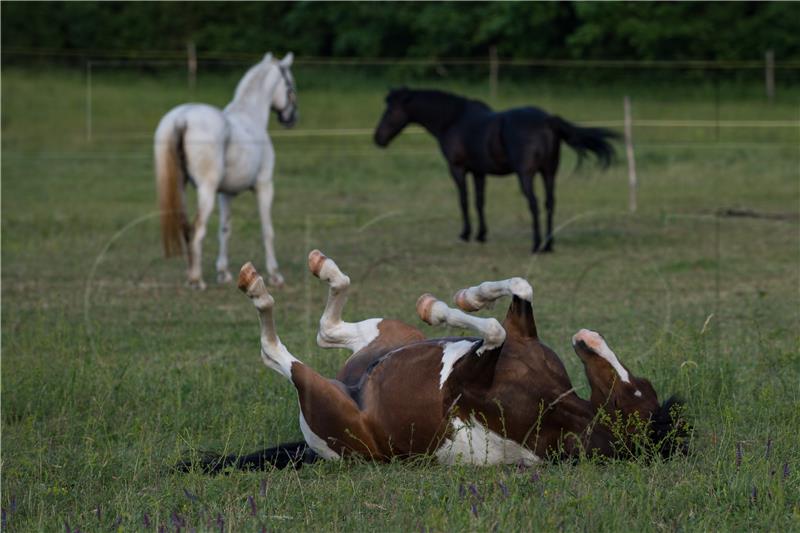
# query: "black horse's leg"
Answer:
x=526 y=183
x=550 y=205
x=460 y=177
x=480 y=187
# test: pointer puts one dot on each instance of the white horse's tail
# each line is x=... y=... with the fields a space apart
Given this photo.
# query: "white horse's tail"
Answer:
x=170 y=181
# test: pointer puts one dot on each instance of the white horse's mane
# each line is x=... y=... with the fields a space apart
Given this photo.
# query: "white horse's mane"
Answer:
x=253 y=79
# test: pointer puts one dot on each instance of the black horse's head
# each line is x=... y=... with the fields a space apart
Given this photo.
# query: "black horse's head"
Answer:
x=395 y=118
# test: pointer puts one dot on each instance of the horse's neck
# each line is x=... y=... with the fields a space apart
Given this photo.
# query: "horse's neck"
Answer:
x=436 y=113
x=254 y=95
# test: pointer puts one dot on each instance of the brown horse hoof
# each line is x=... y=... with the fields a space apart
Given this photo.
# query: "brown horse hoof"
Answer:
x=424 y=306
x=315 y=261
x=247 y=275
x=462 y=301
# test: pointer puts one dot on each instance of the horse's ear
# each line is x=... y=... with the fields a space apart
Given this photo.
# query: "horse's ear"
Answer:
x=267 y=57
x=287 y=60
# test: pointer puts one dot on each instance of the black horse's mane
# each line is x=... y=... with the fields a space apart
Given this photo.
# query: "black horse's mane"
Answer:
x=669 y=430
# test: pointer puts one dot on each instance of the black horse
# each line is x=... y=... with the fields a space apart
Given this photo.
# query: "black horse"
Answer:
x=475 y=139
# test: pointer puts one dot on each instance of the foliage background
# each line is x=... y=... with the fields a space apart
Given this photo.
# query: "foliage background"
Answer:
x=562 y=30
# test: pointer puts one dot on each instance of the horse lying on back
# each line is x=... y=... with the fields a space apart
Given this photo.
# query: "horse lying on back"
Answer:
x=499 y=397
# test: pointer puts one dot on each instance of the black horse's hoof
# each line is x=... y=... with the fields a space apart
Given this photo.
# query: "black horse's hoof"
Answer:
x=481 y=237
x=464 y=236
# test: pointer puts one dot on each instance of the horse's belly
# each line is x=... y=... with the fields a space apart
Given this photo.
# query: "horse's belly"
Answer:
x=243 y=165
x=473 y=443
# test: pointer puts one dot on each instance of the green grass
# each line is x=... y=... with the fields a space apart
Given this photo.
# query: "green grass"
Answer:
x=111 y=369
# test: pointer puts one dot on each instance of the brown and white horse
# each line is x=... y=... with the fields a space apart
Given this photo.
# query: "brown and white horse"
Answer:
x=501 y=396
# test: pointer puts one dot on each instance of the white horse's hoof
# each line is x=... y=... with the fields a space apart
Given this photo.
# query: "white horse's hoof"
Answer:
x=276 y=280
x=224 y=276
x=196 y=284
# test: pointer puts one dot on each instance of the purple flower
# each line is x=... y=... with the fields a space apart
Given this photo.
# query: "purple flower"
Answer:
x=146 y=520
x=503 y=488
x=474 y=491
x=769 y=447
x=220 y=522
x=785 y=470
x=461 y=491
x=753 y=495
x=3 y=520
x=263 y=490
x=738 y=455
x=66 y=527
x=252 y=503
x=474 y=510
x=535 y=478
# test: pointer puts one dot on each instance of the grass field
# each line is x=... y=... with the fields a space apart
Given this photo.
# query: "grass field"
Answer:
x=112 y=369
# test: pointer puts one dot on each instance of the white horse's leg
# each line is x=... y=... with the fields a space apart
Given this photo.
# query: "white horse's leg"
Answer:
x=223 y=274
x=436 y=312
x=333 y=331
x=205 y=205
x=484 y=295
x=265 y=192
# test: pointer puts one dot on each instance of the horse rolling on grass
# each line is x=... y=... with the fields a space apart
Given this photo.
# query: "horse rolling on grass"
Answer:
x=222 y=153
x=499 y=397
x=475 y=139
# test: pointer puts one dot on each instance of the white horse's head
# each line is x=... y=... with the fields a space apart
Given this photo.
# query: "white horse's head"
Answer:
x=284 y=97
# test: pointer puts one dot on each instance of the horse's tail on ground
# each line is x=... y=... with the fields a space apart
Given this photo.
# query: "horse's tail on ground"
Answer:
x=293 y=454
x=583 y=140
x=170 y=179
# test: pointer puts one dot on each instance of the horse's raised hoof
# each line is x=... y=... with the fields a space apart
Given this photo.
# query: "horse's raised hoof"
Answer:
x=315 y=261
x=224 y=276
x=196 y=284
x=462 y=301
x=247 y=275
x=424 y=306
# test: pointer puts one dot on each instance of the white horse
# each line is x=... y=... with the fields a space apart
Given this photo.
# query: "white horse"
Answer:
x=222 y=152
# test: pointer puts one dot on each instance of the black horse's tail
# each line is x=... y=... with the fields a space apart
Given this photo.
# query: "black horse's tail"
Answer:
x=294 y=454
x=583 y=140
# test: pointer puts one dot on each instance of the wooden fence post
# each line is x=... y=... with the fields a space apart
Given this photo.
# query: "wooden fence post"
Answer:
x=769 y=74
x=493 y=68
x=632 y=184
x=191 y=64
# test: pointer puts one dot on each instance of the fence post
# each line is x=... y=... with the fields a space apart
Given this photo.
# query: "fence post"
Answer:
x=89 y=101
x=191 y=64
x=493 y=68
x=769 y=74
x=632 y=184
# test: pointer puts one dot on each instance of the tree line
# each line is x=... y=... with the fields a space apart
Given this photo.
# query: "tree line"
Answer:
x=544 y=30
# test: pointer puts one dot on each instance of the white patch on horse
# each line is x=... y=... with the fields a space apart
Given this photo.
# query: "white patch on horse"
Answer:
x=598 y=344
x=353 y=336
x=475 y=444
x=452 y=352
x=315 y=442
x=277 y=357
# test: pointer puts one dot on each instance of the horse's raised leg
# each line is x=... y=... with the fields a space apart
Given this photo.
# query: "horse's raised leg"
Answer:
x=460 y=179
x=436 y=312
x=480 y=188
x=485 y=294
x=549 y=204
x=205 y=205
x=223 y=274
x=333 y=331
x=330 y=420
x=265 y=192
x=526 y=184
